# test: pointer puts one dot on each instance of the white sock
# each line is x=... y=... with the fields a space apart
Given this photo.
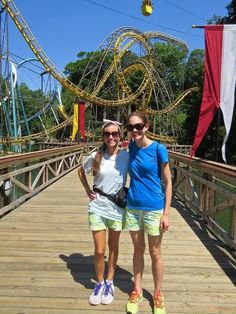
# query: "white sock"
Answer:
x=110 y=282
x=101 y=282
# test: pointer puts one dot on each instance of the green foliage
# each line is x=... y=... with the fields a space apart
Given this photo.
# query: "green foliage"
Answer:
x=33 y=101
x=229 y=19
x=67 y=99
x=194 y=74
x=191 y=105
x=171 y=61
x=181 y=118
x=74 y=70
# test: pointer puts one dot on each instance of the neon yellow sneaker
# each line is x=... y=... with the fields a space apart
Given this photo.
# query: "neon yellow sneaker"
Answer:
x=133 y=302
x=159 y=307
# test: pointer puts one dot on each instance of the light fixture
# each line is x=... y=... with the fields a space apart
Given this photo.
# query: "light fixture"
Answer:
x=147 y=7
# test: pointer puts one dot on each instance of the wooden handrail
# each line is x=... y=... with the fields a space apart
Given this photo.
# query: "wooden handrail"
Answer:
x=6 y=161
x=222 y=171
x=209 y=189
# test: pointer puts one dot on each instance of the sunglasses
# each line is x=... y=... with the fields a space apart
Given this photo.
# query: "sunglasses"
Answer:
x=113 y=134
x=137 y=126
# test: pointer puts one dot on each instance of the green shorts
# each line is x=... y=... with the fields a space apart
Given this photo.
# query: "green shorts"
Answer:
x=97 y=223
x=147 y=220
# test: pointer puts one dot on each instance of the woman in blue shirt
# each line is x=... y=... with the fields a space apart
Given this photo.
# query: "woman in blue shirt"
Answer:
x=148 y=207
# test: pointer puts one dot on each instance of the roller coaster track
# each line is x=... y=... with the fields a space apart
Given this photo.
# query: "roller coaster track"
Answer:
x=44 y=109
x=47 y=106
x=47 y=133
x=114 y=41
x=172 y=106
x=161 y=138
x=145 y=89
x=31 y=137
x=51 y=68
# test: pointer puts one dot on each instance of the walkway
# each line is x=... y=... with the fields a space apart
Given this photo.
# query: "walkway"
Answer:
x=46 y=262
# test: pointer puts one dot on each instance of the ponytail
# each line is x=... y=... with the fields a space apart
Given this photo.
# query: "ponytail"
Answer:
x=98 y=159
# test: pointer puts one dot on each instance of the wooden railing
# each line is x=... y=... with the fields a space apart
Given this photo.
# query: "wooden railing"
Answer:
x=23 y=176
x=47 y=145
x=209 y=189
x=183 y=149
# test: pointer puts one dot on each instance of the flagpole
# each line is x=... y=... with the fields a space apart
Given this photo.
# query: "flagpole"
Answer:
x=203 y=26
x=198 y=26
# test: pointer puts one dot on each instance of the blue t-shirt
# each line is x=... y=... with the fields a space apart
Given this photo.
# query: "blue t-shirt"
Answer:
x=145 y=191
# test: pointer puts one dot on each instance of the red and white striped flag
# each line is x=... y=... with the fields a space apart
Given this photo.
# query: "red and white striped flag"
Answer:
x=219 y=80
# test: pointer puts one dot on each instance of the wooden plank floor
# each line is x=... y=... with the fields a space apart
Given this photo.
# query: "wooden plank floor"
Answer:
x=46 y=263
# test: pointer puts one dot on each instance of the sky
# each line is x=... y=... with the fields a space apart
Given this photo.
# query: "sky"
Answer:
x=64 y=28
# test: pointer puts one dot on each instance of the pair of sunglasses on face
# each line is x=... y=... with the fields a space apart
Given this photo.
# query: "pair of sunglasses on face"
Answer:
x=114 y=134
x=137 y=126
x=129 y=127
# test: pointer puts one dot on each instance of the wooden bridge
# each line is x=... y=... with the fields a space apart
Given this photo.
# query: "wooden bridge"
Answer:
x=46 y=263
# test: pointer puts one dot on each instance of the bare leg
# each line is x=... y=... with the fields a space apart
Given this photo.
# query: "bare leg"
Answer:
x=138 y=258
x=99 y=238
x=113 y=244
x=157 y=262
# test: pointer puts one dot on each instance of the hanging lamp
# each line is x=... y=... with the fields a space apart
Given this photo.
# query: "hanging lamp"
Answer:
x=147 y=7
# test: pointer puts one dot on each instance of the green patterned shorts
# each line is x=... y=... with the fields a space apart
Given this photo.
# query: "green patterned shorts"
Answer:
x=147 y=220
x=97 y=223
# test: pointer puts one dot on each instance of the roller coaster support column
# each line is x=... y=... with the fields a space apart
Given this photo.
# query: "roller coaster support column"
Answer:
x=13 y=105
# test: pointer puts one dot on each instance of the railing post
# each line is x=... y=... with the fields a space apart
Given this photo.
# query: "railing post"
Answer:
x=211 y=194
x=186 y=185
x=207 y=195
x=203 y=193
x=234 y=224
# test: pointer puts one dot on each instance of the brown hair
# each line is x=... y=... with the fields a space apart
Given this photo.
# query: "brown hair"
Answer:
x=98 y=157
x=139 y=114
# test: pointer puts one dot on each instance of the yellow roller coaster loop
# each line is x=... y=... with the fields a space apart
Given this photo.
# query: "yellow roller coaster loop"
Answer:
x=117 y=57
x=147 y=36
x=115 y=66
x=148 y=69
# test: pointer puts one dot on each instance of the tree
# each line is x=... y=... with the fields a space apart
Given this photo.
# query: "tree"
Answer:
x=33 y=101
x=169 y=63
x=172 y=61
x=229 y=19
x=191 y=107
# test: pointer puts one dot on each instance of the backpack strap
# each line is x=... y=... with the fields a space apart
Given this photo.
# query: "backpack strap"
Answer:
x=109 y=196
